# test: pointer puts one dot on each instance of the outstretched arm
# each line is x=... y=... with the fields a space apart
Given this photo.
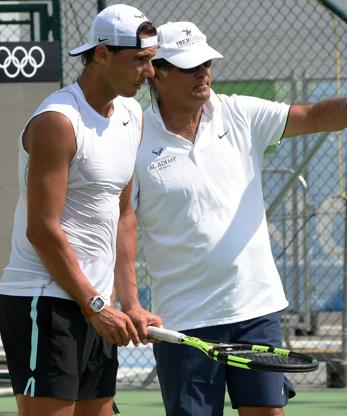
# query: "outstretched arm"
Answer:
x=326 y=115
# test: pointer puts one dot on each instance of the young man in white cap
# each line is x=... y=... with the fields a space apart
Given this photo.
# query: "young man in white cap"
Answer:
x=76 y=159
x=198 y=195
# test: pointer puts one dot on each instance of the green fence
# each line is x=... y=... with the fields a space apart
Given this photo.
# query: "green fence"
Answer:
x=285 y=50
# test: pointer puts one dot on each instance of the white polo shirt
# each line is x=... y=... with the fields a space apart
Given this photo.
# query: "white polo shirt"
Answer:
x=202 y=213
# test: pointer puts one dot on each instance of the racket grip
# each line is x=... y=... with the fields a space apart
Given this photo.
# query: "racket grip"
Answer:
x=163 y=334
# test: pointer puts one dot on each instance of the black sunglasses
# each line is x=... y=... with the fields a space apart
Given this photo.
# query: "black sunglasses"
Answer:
x=166 y=64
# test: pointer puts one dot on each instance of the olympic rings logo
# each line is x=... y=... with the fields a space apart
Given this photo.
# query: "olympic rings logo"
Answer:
x=23 y=61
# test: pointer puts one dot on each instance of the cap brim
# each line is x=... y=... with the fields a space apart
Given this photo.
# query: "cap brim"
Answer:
x=81 y=49
x=188 y=58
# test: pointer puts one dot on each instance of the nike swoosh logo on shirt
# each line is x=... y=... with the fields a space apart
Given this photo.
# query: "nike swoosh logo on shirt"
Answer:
x=125 y=122
x=220 y=136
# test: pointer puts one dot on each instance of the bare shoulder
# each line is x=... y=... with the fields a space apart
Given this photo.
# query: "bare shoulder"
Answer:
x=50 y=131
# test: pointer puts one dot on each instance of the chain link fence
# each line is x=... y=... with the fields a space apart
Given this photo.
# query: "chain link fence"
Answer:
x=292 y=51
x=20 y=23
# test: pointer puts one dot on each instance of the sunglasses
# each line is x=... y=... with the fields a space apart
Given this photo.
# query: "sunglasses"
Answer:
x=167 y=64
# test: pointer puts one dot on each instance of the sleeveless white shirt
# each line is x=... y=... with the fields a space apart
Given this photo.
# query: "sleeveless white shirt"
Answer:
x=101 y=168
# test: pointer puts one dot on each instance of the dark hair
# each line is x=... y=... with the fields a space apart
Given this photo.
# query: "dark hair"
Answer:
x=160 y=63
x=146 y=28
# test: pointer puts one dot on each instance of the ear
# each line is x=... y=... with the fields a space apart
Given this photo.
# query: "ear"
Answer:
x=158 y=76
x=101 y=54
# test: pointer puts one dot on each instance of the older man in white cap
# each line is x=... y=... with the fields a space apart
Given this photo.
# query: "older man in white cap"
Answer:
x=76 y=158
x=198 y=195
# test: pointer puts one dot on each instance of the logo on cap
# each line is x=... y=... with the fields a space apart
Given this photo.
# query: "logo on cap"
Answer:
x=140 y=16
x=187 y=32
x=189 y=41
x=102 y=39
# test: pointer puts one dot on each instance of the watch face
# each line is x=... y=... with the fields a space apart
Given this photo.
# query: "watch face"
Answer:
x=97 y=304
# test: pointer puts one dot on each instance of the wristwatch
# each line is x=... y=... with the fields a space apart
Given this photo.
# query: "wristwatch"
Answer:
x=95 y=305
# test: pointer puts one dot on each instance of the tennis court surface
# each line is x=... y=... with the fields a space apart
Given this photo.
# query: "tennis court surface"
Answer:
x=319 y=402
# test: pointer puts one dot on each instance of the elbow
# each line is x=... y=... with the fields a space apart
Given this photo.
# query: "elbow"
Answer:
x=34 y=235
x=39 y=235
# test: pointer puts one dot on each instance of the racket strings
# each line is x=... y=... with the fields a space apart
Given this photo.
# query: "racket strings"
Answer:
x=266 y=359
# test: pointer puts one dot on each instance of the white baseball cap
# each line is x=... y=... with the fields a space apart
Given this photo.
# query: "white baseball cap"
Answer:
x=117 y=25
x=183 y=45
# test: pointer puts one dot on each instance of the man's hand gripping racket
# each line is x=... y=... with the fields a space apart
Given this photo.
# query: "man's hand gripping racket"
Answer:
x=247 y=356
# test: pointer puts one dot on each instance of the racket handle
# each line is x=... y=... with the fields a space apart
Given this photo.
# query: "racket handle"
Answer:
x=167 y=335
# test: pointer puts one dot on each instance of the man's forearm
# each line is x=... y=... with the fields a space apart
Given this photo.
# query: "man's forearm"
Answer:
x=125 y=271
x=327 y=115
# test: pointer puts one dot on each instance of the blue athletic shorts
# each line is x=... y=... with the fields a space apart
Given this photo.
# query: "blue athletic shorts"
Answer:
x=53 y=351
x=194 y=385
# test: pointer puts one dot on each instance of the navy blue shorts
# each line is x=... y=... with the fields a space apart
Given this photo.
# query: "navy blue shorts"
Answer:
x=53 y=351
x=194 y=385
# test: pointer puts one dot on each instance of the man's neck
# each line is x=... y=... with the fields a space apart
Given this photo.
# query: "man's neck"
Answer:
x=95 y=95
x=181 y=121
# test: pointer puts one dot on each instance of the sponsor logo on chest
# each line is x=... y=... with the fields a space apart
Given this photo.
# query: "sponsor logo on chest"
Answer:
x=162 y=163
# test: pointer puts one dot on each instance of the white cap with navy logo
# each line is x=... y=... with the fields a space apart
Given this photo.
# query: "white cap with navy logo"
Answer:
x=183 y=45
x=117 y=25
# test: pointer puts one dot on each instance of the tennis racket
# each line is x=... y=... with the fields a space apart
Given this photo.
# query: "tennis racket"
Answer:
x=247 y=356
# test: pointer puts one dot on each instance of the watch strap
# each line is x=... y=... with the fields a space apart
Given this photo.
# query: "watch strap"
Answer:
x=88 y=311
